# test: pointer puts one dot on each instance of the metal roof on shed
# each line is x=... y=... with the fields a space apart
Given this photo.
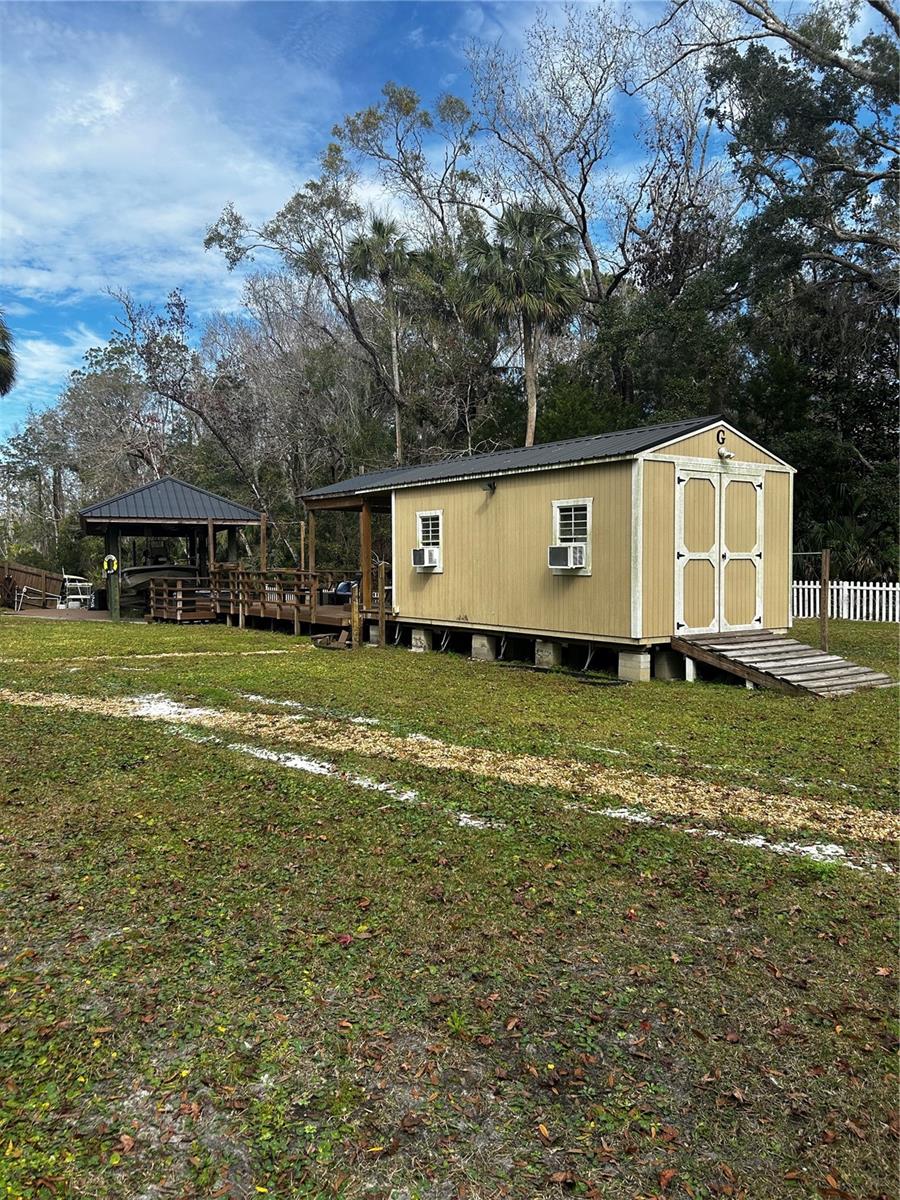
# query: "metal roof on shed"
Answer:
x=169 y=499
x=620 y=444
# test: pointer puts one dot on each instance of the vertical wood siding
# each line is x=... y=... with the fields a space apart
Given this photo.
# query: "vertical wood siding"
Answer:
x=777 y=549
x=494 y=550
x=704 y=445
x=740 y=516
x=658 y=591
x=739 y=587
x=699 y=593
x=658 y=602
x=495 y=553
x=700 y=517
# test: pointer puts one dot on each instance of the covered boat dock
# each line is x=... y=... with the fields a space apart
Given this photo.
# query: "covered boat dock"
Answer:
x=209 y=584
x=164 y=509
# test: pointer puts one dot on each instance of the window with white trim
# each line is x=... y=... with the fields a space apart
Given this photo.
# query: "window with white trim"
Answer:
x=429 y=528
x=572 y=523
x=430 y=535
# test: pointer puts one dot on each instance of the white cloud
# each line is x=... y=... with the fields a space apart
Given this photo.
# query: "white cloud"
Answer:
x=15 y=308
x=114 y=165
x=42 y=367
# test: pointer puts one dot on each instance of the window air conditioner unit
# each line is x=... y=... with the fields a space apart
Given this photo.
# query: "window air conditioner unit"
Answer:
x=426 y=558
x=569 y=557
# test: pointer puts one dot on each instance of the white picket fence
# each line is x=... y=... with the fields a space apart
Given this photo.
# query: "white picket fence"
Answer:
x=848 y=599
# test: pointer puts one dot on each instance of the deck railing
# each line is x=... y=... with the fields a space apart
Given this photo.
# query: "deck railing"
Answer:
x=238 y=591
x=287 y=594
x=234 y=587
x=175 y=599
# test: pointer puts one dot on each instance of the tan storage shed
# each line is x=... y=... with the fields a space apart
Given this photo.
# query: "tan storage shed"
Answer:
x=624 y=539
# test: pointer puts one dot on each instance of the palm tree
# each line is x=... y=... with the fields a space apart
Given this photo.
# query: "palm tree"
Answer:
x=381 y=255
x=525 y=280
x=7 y=359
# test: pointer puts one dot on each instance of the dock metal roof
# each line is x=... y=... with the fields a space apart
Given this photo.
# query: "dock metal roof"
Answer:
x=169 y=500
x=622 y=443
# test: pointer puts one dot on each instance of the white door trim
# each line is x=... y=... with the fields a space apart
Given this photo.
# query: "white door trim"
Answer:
x=683 y=556
x=394 y=604
x=755 y=555
x=731 y=466
x=637 y=548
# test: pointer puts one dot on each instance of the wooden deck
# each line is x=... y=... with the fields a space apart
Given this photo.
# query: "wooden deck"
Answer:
x=772 y=661
x=300 y=598
x=337 y=615
x=57 y=614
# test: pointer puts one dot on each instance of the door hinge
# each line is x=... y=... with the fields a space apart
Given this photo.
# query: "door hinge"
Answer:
x=679 y=625
x=759 y=554
x=680 y=555
x=678 y=479
x=724 y=556
x=759 y=485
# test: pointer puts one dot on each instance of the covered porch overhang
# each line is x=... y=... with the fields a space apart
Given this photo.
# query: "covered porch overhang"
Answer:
x=366 y=504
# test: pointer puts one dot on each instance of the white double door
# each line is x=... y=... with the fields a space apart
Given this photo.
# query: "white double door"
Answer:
x=718 y=551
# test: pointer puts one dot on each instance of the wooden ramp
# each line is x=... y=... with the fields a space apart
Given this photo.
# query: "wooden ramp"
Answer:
x=772 y=661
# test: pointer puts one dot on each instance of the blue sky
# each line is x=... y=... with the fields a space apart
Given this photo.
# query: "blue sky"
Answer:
x=126 y=128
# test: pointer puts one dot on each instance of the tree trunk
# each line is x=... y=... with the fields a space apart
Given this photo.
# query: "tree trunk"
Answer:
x=529 y=353
x=58 y=503
x=395 y=378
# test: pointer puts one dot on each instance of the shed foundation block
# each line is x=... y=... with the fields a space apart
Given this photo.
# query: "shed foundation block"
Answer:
x=421 y=639
x=372 y=636
x=484 y=647
x=669 y=664
x=634 y=665
x=547 y=654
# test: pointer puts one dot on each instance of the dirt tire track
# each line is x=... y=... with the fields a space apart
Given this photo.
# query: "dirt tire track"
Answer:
x=655 y=794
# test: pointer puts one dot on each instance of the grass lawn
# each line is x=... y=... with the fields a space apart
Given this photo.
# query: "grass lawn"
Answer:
x=397 y=926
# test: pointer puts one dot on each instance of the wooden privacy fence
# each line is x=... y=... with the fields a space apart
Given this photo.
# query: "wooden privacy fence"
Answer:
x=847 y=599
x=21 y=586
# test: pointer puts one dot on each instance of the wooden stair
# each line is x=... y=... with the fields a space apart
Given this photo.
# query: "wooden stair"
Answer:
x=772 y=661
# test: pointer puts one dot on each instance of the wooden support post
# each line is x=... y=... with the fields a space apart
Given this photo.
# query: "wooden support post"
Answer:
x=302 y=545
x=43 y=589
x=113 y=546
x=382 y=624
x=355 y=618
x=824 y=590
x=365 y=554
x=311 y=542
x=210 y=548
x=264 y=542
x=297 y=625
